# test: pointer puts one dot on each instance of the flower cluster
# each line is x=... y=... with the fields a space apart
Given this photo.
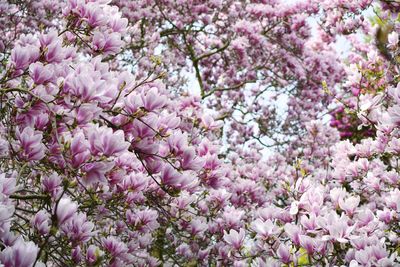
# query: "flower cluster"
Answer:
x=108 y=156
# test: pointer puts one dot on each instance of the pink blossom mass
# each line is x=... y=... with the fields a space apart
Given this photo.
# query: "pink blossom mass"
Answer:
x=199 y=133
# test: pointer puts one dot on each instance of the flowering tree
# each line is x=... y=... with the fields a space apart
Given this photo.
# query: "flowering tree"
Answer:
x=109 y=157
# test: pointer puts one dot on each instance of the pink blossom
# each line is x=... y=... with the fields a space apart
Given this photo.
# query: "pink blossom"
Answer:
x=104 y=140
x=283 y=253
x=95 y=172
x=79 y=150
x=65 y=210
x=40 y=74
x=190 y=162
x=31 y=144
x=93 y=254
x=78 y=229
x=235 y=239
x=21 y=57
x=264 y=229
x=308 y=244
x=210 y=123
x=114 y=246
x=393 y=39
x=349 y=204
x=8 y=185
x=21 y=254
x=41 y=222
x=152 y=100
x=108 y=44
x=171 y=177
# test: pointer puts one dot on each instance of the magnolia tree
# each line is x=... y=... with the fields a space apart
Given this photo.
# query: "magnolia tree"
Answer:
x=109 y=156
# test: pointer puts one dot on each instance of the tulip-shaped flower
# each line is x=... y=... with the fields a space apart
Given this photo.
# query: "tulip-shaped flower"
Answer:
x=107 y=44
x=31 y=144
x=171 y=177
x=6 y=212
x=152 y=100
x=339 y=230
x=234 y=239
x=41 y=222
x=293 y=232
x=79 y=150
x=52 y=184
x=93 y=254
x=190 y=162
x=144 y=220
x=96 y=171
x=106 y=141
x=308 y=244
x=66 y=209
x=349 y=204
x=197 y=227
x=209 y=122
x=264 y=229
x=114 y=246
x=94 y=15
x=21 y=57
x=7 y=185
x=21 y=254
x=283 y=253
x=78 y=229
x=132 y=103
x=40 y=74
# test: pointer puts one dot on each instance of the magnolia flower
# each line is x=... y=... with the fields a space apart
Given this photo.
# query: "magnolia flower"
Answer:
x=6 y=212
x=197 y=227
x=132 y=103
x=349 y=204
x=41 y=222
x=264 y=229
x=94 y=15
x=105 y=140
x=283 y=253
x=209 y=122
x=93 y=254
x=114 y=246
x=65 y=210
x=21 y=254
x=79 y=150
x=31 y=144
x=386 y=215
x=144 y=220
x=190 y=162
x=52 y=184
x=78 y=229
x=21 y=57
x=394 y=113
x=234 y=239
x=339 y=229
x=171 y=177
x=95 y=172
x=8 y=185
x=177 y=142
x=309 y=222
x=337 y=194
x=86 y=113
x=152 y=100
x=107 y=43
x=294 y=208
x=40 y=74
x=76 y=254
x=308 y=244
x=233 y=217
x=293 y=232
x=393 y=40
